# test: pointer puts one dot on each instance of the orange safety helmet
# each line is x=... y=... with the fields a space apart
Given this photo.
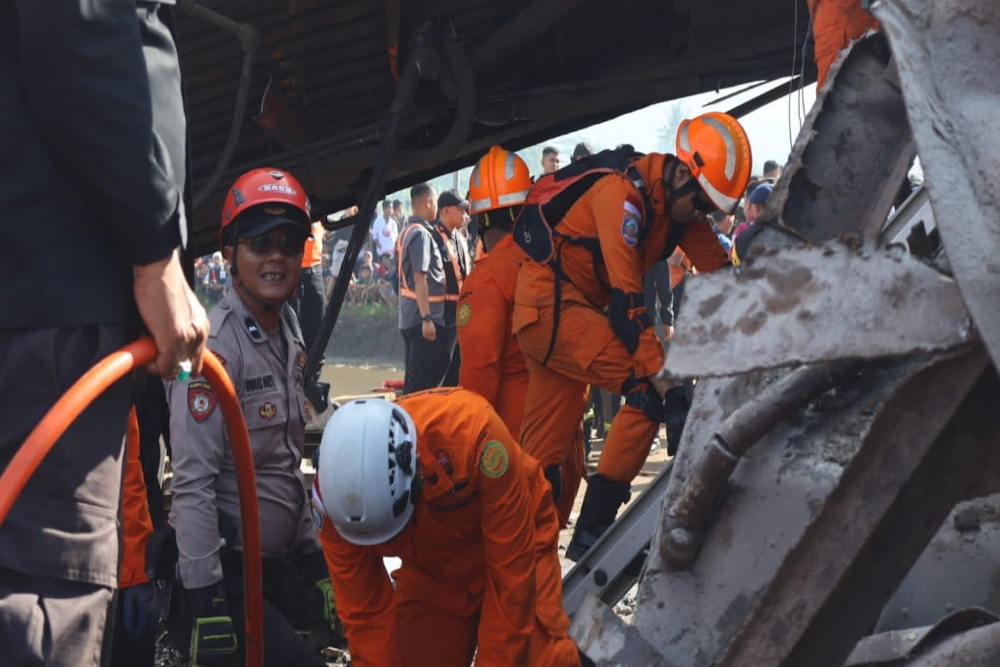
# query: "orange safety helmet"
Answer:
x=266 y=185
x=499 y=179
x=716 y=149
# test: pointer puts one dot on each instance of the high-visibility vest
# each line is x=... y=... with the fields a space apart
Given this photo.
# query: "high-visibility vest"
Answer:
x=453 y=274
x=312 y=255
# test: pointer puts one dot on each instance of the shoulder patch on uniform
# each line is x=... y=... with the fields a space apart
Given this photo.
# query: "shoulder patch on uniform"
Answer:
x=201 y=400
x=494 y=461
x=252 y=328
x=631 y=221
x=464 y=314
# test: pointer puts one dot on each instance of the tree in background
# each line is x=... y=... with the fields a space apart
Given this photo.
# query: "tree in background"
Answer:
x=667 y=142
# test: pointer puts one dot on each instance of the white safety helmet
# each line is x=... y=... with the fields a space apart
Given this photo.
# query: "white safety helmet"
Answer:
x=367 y=477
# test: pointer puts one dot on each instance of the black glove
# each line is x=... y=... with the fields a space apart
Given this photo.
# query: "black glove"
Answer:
x=324 y=626
x=137 y=611
x=213 y=640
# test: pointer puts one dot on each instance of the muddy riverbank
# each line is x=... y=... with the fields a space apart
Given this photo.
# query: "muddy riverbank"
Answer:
x=367 y=336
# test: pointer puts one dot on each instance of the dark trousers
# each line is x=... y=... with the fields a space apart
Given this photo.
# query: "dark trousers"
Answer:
x=154 y=422
x=133 y=651
x=283 y=647
x=310 y=304
x=46 y=621
x=59 y=545
x=431 y=363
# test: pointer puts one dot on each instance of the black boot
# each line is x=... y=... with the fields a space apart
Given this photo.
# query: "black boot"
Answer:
x=600 y=506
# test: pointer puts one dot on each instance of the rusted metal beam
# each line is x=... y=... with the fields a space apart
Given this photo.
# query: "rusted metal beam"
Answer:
x=686 y=516
x=890 y=501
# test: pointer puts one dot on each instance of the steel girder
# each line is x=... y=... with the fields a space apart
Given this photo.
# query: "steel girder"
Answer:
x=823 y=518
x=948 y=57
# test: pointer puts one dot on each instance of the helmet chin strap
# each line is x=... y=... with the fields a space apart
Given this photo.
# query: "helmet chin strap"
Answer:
x=689 y=186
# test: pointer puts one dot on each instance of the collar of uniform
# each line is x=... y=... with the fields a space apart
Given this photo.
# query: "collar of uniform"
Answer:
x=245 y=319
x=505 y=242
x=651 y=166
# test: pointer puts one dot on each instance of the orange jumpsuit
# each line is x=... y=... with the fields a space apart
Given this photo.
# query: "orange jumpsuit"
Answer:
x=587 y=350
x=836 y=23
x=136 y=524
x=492 y=363
x=479 y=556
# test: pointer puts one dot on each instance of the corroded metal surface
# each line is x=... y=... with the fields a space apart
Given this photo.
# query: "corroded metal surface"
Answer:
x=894 y=646
x=755 y=574
x=949 y=55
x=849 y=158
x=979 y=647
x=831 y=586
x=609 y=641
x=958 y=569
x=805 y=305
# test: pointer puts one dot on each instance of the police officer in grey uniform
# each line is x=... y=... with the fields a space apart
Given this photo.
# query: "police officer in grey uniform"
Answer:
x=256 y=335
x=91 y=174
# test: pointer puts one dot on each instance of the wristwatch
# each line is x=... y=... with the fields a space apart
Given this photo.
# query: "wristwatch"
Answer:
x=425 y=318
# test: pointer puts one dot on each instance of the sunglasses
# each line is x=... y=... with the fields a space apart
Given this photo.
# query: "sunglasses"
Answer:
x=288 y=244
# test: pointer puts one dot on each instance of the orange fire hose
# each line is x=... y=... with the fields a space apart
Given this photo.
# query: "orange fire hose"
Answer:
x=87 y=388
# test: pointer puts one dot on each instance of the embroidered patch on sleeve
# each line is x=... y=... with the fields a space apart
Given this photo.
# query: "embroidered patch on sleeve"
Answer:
x=493 y=461
x=317 y=516
x=631 y=222
x=464 y=314
x=201 y=400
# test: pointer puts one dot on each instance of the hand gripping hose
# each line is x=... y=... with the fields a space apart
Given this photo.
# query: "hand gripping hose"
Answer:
x=87 y=388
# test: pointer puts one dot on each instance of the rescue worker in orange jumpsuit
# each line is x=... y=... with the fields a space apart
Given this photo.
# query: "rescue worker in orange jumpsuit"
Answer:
x=492 y=364
x=437 y=480
x=836 y=23
x=598 y=332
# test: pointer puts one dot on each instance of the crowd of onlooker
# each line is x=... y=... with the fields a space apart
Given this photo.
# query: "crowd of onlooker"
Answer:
x=374 y=279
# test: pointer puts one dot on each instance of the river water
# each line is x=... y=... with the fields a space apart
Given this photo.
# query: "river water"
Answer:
x=348 y=380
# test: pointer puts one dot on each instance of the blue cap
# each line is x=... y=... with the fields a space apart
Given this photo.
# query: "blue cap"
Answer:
x=760 y=194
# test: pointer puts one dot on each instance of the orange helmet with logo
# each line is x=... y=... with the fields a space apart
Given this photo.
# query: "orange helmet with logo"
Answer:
x=499 y=179
x=260 y=187
x=716 y=149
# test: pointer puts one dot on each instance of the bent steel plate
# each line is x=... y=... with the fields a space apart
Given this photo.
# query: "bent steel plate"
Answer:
x=948 y=56
x=896 y=645
x=804 y=305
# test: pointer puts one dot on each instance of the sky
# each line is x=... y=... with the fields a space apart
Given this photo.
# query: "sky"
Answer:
x=769 y=127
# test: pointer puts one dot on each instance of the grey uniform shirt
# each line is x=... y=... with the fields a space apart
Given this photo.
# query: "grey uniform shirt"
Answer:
x=204 y=486
x=420 y=251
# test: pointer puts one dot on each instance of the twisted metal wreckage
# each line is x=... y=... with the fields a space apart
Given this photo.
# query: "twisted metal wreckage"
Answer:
x=836 y=498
